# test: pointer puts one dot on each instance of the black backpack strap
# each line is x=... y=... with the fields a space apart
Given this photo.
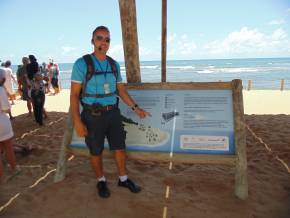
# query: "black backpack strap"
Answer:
x=113 y=65
x=90 y=66
x=114 y=70
x=90 y=71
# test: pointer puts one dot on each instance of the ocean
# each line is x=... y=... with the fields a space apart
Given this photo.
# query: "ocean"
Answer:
x=265 y=73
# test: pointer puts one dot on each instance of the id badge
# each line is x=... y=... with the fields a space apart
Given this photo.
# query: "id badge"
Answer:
x=107 y=88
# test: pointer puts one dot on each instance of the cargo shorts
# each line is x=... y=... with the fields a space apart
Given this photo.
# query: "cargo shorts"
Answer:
x=106 y=124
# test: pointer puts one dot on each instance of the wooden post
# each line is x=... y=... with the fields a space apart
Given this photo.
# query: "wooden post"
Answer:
x=282 y=84
x=164 y=40
x=130 y=40
x=241 y=180
x=249 y=85
x=67 y=137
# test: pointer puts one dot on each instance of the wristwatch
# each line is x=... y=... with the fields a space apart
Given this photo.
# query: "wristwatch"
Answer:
x=134 y=107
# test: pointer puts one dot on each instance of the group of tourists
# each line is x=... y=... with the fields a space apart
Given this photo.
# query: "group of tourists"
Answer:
x=33 y=82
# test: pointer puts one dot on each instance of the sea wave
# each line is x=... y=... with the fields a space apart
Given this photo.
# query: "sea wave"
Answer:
x=181 y=67
x=144 y=67
x=228 y=70
x=149 y=66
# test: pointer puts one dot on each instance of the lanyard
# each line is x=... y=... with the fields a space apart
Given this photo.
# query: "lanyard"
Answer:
x=105 y=72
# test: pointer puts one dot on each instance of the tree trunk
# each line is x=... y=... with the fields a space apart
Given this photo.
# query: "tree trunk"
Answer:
x=130 y=40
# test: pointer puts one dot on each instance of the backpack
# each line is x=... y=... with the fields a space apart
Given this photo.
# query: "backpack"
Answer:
x=91 y=71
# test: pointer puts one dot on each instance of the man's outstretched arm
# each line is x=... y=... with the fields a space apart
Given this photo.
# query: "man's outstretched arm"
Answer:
x=122 y=90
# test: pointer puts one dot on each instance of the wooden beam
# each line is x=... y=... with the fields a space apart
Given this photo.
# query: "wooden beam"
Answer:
x=177 y=158
x=241 y=180
x=182 y=86
x=130 y=40
x=164 y=41
x=66 y=141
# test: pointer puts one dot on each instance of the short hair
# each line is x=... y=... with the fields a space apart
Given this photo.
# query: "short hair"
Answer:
x=8 y=63
x=100 y=28
x=25 y=60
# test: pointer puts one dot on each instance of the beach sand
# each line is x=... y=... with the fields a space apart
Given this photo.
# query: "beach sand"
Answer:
x=185 y=191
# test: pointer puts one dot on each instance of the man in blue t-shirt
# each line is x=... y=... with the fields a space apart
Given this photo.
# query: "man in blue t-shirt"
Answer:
x=101 y=116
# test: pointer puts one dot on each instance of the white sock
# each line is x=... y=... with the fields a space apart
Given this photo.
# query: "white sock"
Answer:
x=102 y=179
x=123 y=178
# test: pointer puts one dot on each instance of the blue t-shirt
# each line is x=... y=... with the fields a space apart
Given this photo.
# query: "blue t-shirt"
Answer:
x=96 y=84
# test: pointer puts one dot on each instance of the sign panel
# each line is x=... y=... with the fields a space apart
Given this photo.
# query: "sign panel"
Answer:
x=182 y=121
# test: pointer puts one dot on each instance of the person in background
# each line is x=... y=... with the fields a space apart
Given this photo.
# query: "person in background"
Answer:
x=38 y=98
x=37 y=89
x=9 y=78
x=6 y=132
x=24 y=84
x=32 y=67
x=54 y=73
x=9 y=81
x=44 y=72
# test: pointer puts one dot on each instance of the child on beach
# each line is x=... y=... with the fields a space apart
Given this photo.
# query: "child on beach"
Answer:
x=6 y=132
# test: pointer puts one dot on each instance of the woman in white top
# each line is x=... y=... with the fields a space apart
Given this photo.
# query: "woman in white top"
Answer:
x=9 y=81
x=6 y=132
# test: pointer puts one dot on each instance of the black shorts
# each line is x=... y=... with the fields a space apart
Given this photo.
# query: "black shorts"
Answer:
x=54 y=82
x=107 y=124
x=25 y=95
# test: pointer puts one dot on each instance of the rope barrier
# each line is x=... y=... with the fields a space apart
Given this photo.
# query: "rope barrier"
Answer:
x=268 y=148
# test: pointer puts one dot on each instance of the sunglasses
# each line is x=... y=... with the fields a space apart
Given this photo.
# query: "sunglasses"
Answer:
x=101 y=38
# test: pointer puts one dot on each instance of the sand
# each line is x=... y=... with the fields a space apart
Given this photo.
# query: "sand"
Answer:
x=185 y=191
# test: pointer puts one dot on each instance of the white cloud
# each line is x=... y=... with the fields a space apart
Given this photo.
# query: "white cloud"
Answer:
x=250 y=43
x=277 y=22
x=184 y=37
x=186 y=47
x=171 y=38
x=180 y=46
x=288 y=10
x=67 y=49
x=143 y=51
x=116 y=51
x=279 y=34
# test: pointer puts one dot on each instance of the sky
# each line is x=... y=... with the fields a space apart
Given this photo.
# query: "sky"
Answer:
x=204 y=29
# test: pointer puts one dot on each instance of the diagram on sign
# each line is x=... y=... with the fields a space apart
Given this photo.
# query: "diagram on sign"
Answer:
x=140 y=134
